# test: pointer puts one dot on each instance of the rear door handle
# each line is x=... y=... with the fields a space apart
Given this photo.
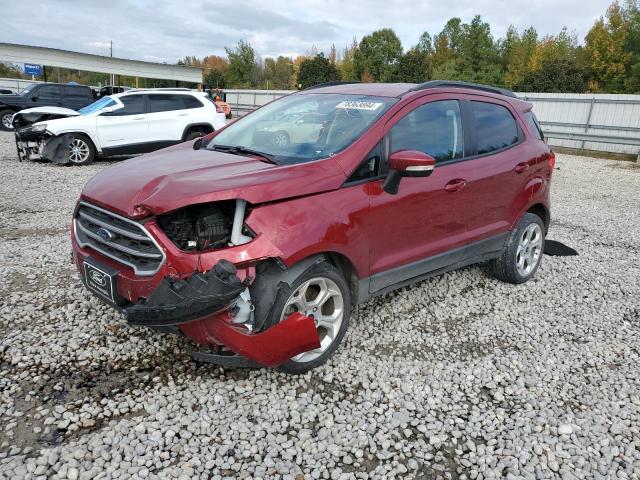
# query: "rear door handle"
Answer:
x=138 y=118
x=455 y=185
x=183 y=114
x=521 y=167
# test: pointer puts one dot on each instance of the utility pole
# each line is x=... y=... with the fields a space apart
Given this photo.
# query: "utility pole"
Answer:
x=111 y=54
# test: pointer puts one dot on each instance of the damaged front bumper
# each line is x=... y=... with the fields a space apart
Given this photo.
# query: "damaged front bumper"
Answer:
x=201 y=306
x=30 y=144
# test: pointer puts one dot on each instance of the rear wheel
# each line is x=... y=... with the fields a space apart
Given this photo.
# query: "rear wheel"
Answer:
x=5 y=120
x=322 y=293
x=522 y=255
x=81 y=150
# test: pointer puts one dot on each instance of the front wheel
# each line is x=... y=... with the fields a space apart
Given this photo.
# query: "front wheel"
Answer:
x=522 y=254
x=323 y=294
x=5 y=120
x=81 y=150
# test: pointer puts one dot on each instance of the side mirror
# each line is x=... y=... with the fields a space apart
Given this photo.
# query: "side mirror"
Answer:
x=34 y=98
x=407 y=163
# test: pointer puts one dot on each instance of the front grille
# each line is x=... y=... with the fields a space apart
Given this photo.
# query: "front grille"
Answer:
x=118 y=238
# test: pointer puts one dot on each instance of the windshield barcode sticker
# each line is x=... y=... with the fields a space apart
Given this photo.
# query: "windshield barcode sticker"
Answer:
x=359 y=105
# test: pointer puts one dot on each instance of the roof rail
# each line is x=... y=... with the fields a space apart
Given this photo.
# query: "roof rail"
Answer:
x=328 y=84
x=160 y=89
x=458 y=84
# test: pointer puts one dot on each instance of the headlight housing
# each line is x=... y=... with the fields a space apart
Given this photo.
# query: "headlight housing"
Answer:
x=39 y=127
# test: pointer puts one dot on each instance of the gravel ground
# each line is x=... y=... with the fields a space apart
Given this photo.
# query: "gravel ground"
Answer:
x=457 y=377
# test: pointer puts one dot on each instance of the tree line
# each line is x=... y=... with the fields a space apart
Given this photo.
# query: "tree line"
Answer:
x=607 y=61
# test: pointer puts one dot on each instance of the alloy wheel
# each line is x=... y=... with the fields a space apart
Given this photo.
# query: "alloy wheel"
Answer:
x=78 y=151
x=321 y=299
x=529 y=249
x=6 y=121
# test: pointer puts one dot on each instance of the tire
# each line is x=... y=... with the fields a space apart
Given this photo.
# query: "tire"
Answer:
x=522 y=254
x=314 y=280
x=5 y=120
x=280 y=139
x=85 y=151
x=194 y=134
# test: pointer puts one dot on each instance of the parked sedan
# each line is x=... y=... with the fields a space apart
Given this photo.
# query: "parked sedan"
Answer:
x=123 y=124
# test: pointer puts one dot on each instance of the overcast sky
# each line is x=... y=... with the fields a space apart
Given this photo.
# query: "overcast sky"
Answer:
x=165 y=30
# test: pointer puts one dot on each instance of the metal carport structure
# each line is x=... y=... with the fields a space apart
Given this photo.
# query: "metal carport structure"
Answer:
x=54 y=57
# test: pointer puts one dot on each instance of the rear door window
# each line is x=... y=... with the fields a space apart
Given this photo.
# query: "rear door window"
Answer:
x=191 y=102
x=165 y=102
x=496 y=128
x=47 y=92
x=434 y=128
x=133 y=105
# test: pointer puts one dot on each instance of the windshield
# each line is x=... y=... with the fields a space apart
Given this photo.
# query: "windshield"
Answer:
x=300 y=128
x=98 y=105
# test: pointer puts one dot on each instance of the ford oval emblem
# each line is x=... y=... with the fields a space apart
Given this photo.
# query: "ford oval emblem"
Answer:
x=98 y=278
x=105 y=234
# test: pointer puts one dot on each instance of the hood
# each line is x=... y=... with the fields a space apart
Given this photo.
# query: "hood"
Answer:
x=11 y=99
x=179 y=176
x=30 y=116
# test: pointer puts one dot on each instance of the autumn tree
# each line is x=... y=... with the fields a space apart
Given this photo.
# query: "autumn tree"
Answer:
x=215 y=71
x=605 y=45
x=378 y=55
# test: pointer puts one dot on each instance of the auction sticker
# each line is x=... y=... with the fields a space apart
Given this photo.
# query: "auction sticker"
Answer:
x=359 y=105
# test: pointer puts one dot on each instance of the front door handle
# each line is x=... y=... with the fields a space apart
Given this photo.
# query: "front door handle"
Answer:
x=138 y=118
x=455 y=185
x=521 y=167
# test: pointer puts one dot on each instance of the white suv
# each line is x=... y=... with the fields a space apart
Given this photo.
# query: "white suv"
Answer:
x=136 y=121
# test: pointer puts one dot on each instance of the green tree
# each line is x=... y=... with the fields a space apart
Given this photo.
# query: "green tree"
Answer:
x=425 y=43
x=516 y=52
x=378 y=55
x=278 y=72
x=631 y=14
x=317 y=70
x=242 y=65
x=414 y=66
x=446 y=51
x=346 y=65
x=479 y=59
x=555 y=75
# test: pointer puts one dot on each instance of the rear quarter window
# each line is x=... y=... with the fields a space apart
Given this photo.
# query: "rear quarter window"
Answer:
x=534 y=125
x=496 y=129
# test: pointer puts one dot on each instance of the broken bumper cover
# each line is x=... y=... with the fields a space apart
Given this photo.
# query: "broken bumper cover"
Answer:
x=271 y=348
x=177 y=301
x=201 y=306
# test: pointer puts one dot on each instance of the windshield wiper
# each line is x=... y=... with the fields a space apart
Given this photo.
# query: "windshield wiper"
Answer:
x=240 y=150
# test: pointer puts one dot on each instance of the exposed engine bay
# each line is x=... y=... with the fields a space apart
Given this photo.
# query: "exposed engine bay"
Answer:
x=207 y=226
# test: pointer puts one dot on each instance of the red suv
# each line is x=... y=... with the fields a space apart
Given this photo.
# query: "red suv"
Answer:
x=257 y=240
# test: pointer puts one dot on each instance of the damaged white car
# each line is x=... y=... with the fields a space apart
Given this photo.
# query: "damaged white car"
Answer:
x=128 y=123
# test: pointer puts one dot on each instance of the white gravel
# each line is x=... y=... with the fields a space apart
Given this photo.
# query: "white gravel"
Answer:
x=460 y=376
